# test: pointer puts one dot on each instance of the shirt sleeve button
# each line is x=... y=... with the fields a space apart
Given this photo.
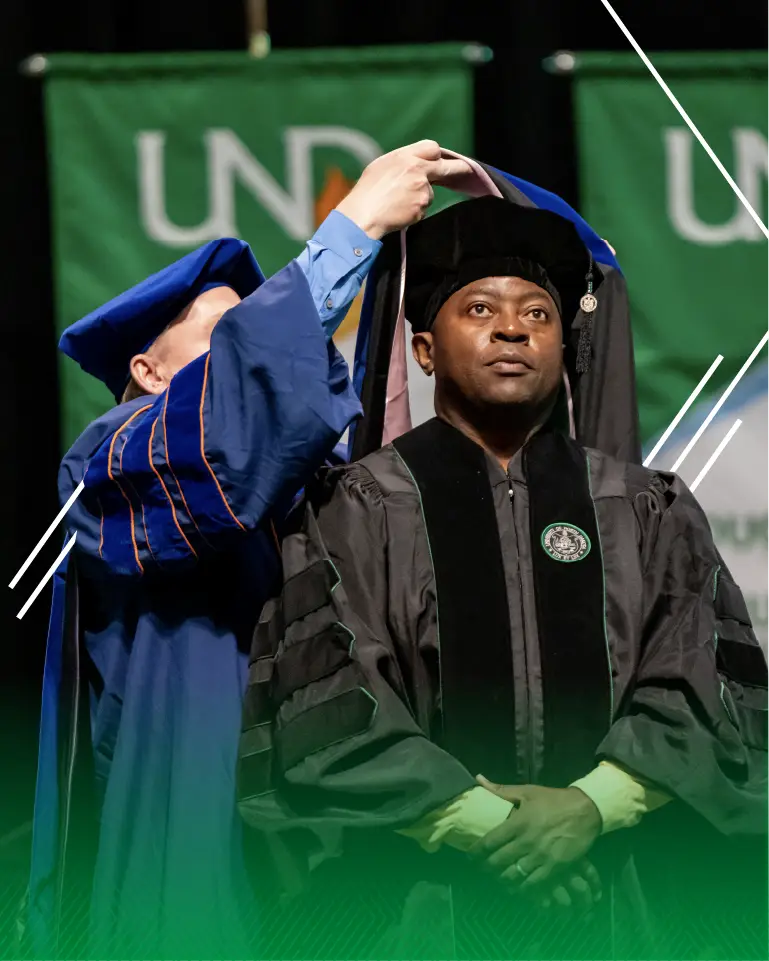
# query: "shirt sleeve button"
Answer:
x=358 y=252
x=329 y=303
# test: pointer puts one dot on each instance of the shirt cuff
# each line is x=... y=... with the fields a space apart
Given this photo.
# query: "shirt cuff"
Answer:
x=621 y=799
x=346 y=239
x=461 y=822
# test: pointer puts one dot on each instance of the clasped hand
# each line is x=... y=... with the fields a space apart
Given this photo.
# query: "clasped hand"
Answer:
x=540 y=848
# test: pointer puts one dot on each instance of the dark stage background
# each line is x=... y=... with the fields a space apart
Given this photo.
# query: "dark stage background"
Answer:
x=522 y=124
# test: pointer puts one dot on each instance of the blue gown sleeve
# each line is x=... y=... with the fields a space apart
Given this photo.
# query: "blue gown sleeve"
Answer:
x=239 y=429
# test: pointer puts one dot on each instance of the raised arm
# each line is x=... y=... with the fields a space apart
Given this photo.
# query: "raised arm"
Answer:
x=238 y=430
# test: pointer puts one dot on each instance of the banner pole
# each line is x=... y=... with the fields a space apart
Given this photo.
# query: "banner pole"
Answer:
x=561 y=62
x=34 y=66
x=256 y=21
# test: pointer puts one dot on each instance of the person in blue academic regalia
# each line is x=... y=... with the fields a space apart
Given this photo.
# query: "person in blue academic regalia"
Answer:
x=230 y=394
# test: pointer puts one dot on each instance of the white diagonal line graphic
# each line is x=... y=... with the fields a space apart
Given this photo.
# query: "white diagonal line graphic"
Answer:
x=715 y=455
x=687 y=120
x=729 y=179
x=676 y=420
x=40 y=544
x=65 y=550
x=703 y=427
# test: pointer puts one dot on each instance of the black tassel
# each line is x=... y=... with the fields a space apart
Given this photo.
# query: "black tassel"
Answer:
x=588 y=304
x=585 y=343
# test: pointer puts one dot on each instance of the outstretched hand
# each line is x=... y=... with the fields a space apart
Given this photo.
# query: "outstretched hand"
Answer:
x=547 y=831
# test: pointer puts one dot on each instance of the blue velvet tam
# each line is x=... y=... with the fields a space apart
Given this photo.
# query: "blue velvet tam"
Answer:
x=105 y=340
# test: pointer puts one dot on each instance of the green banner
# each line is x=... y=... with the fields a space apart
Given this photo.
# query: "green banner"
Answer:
x=695 y=260
x=151 y=156
x=696 y=268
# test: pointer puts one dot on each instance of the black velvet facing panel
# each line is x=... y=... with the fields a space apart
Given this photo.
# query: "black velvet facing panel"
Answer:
x=477 y=698
x=335 y=719
x=382 y=298
x=741 y=662
x=576 y=676
x=258 y=705
x=308 y=591
x=255 y=762
x=304 y=662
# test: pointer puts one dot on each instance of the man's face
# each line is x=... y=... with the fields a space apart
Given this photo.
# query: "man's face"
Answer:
x=495 y=342
x=188 y=337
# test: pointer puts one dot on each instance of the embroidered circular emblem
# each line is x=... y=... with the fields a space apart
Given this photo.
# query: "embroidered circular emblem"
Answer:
x=588 y=303
x=565 y=542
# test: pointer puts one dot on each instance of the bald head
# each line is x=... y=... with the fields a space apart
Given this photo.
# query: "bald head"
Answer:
x=186 y=337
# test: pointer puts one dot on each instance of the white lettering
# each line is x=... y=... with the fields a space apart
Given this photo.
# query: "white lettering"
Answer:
x=228 y=161
x=752 y=163
x=220 y=222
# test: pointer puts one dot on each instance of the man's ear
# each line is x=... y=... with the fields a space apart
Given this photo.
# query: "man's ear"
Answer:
x=148 y=373
x=422 y=349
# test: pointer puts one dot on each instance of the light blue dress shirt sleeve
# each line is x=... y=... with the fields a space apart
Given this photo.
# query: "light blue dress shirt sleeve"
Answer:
x=335 y=262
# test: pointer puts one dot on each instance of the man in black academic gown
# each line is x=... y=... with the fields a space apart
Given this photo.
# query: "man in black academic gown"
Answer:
x=485 y=598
